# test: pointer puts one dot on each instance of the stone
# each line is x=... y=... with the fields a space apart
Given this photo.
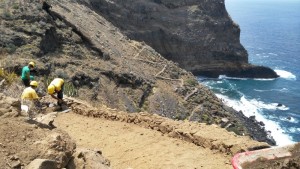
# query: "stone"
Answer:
x=42 y=164
x=15 y=164
x=86 y=158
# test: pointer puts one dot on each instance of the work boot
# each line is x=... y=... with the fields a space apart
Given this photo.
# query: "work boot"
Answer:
x=58 y=108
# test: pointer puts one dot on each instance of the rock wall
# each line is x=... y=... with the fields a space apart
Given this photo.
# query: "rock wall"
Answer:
x=191 y=132
x=197 y=34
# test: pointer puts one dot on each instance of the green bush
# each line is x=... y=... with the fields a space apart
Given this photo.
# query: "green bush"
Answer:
x=15 y=6
x=11 y=48
x=6 y=15
x=191 y=82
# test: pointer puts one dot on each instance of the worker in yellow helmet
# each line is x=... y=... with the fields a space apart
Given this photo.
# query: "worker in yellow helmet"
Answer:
x=30 y=99
x=57 y=86
x=26 y=77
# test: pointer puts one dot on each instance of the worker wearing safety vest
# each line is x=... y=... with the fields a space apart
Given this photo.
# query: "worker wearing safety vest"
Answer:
x=26 y=77
x=30 y=99
x=57 y=86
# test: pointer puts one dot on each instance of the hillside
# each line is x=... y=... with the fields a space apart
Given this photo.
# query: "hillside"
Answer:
x=74 y=42
x=112 y=139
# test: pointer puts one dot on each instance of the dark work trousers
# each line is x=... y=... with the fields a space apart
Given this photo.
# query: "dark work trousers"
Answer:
x=60 y=95
x=26 y=82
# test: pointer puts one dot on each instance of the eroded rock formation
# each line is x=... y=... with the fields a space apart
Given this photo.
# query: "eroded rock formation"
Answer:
x=197 y=34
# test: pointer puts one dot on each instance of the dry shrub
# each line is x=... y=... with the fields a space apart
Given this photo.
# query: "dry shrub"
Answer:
x=9 y=76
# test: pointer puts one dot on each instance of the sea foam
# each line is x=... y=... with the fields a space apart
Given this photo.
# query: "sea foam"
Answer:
x=253 y=108
x=286 y=75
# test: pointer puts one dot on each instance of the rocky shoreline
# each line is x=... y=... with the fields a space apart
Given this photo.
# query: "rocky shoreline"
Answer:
x=255 y=128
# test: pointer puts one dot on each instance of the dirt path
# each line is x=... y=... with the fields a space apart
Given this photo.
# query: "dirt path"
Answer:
x=130 y=146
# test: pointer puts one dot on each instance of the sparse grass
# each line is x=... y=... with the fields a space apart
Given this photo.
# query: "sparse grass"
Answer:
x=15 y=6
x=11 y=48
x=6 y=15
x=9 y=76
x=191 y=82
x=70 y=89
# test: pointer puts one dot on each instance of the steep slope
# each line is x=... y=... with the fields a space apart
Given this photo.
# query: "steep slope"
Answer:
x=74 y=42
x=197 y=34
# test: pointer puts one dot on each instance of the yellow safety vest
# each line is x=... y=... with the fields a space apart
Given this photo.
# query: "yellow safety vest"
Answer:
x=29 y=94
x=57 y=82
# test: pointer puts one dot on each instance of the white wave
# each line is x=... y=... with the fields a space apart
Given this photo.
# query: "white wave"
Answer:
x=235 y=78
x=239 y=78
x=262 y=105
x=262 y=79
x=253 y=107
x=294 y=130
x=286 y=75
x=278 y=90
x=290 y=120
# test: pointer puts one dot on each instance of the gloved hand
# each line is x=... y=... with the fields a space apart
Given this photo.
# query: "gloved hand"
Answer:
x=31 y=77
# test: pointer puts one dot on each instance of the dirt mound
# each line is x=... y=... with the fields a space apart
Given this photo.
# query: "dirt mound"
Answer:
x=20 y=143
x=29 y=143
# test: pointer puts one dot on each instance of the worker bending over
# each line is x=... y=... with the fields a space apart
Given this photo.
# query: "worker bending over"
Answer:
x=57 y=86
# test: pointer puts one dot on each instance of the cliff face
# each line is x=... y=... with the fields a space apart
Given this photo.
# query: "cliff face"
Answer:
x=197 y=34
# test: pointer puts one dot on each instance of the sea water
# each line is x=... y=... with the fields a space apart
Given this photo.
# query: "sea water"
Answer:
x=270 y=32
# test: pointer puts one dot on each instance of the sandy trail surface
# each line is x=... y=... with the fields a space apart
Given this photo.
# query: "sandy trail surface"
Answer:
x=130 y=146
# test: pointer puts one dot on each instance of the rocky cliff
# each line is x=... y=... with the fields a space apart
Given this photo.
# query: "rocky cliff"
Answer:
x=73 y=41
x=197 y=34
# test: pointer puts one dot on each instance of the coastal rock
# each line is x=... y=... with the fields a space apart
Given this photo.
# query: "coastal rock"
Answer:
x=199 y=35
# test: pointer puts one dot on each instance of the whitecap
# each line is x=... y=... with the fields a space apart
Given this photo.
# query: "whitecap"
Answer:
x=262 y=79
x=233 y=78
x=254 y=107
x=290 y=120
x=278 y=90
x=286 y=75
x=262 y=105
x=293 y=130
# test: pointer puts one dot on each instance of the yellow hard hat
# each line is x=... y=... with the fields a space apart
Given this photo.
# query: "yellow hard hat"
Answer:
x=32 y=64
x=34 y=83
x=51 y=89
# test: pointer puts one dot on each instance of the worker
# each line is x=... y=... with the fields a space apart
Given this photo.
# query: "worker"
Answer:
x=26 y=77
x=30 y=99
x=57 y=86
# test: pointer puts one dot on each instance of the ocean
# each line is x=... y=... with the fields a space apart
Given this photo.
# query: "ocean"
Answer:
x=270 y=32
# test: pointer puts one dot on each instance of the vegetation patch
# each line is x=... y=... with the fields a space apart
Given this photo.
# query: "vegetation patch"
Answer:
x=9 y=76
